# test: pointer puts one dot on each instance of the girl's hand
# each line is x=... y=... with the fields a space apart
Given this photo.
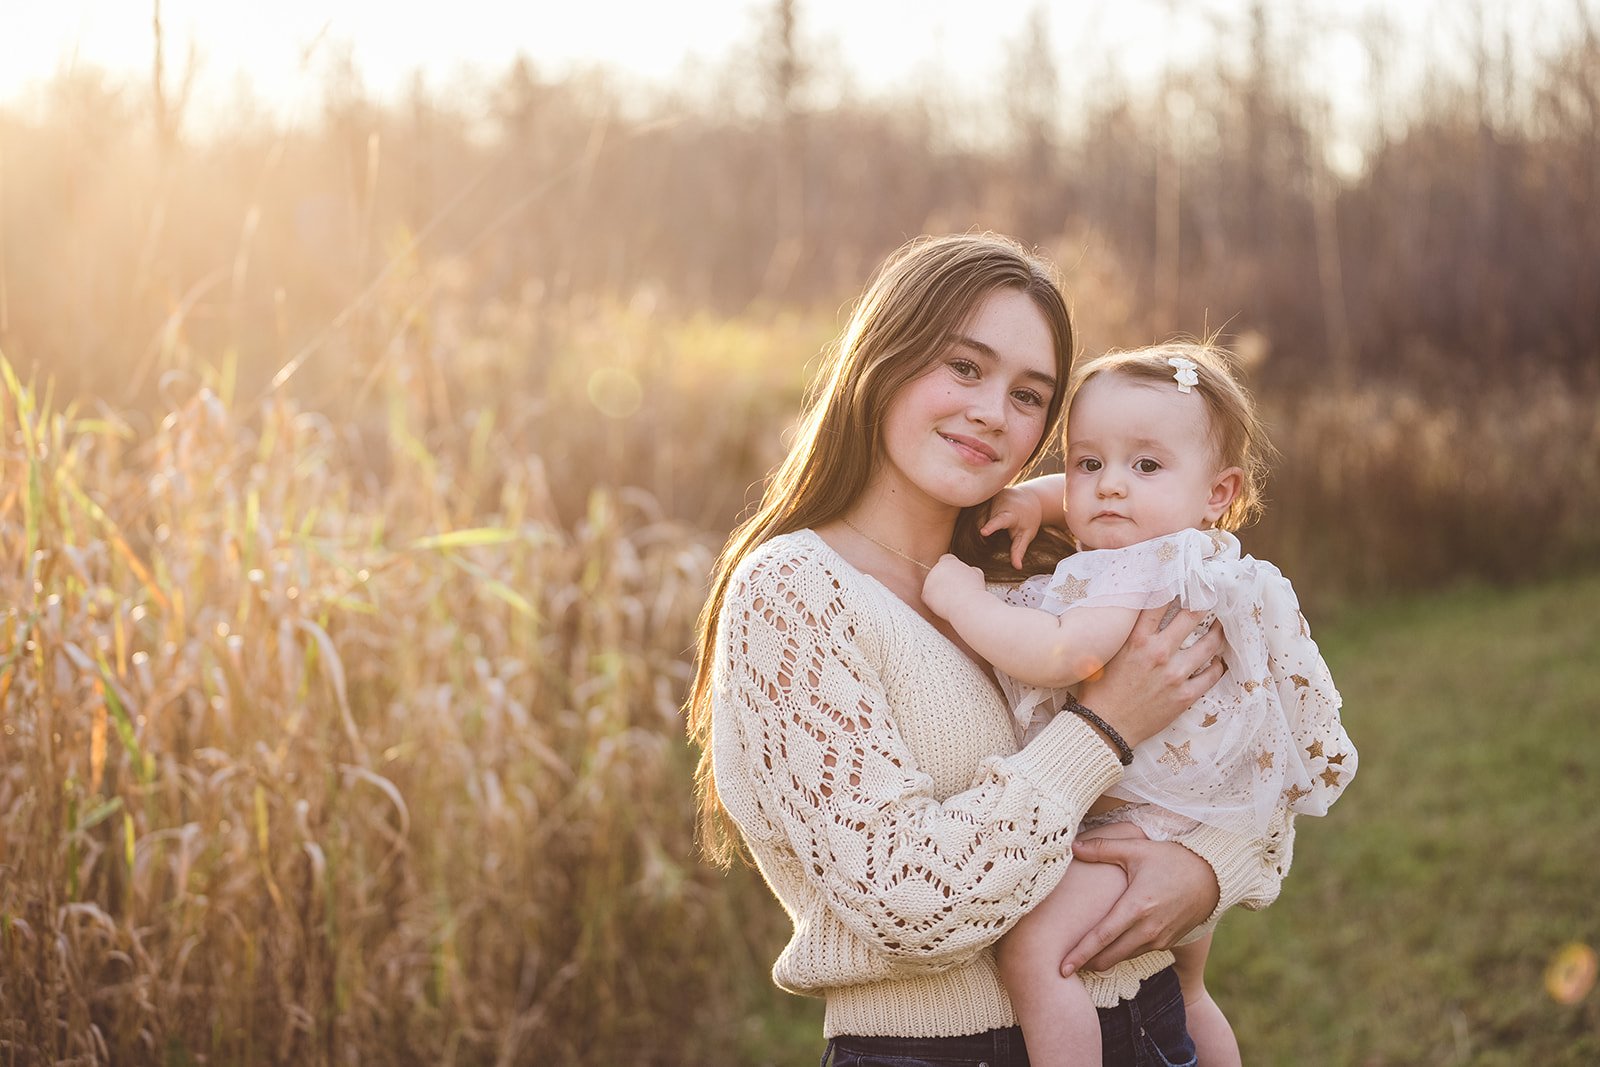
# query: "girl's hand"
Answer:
x=1019 y=512
x=1170 y=891
x=949 y=583
x=1153 y=678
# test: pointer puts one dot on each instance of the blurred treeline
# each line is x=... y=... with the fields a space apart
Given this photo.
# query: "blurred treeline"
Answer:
x=1457 y=238
x=1416 y=291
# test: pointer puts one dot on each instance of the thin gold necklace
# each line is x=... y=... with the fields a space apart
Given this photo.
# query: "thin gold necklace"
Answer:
x=888 y=548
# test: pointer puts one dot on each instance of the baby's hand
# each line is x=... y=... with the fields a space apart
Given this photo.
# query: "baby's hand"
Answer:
x=1018 y=512
x=948 y=583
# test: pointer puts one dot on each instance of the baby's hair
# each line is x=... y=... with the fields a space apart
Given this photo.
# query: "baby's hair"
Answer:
x=1236 y=429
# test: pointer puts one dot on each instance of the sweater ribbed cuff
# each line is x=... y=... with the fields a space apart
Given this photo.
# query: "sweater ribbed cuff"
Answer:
x=1235 y=859
x=1069 y=762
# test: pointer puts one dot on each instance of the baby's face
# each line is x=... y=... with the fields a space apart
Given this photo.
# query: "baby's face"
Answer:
x=1140 y=463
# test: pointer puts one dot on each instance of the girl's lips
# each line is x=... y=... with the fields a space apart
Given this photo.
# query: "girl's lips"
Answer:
x=971 y=448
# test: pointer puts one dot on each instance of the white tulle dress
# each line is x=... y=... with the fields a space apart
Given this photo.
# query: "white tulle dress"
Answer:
x=1268 y=736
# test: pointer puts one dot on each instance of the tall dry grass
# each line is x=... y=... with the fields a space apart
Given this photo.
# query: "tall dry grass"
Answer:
x=1384 y=490
x=304 y=763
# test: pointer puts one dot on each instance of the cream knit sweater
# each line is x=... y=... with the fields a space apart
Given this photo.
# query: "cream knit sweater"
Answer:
x=873 y=772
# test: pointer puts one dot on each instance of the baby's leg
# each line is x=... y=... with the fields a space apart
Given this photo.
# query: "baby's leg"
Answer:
x=1213 y=1037
x=1059 y=1022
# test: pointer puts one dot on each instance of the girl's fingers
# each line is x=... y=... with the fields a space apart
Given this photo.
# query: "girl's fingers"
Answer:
x=1149 y=620
x=1170 y=890
x=1114 y=924
x=1209 y=643
x=1088 y=947
x=1200 y=654
x=1200 y=683
x=1184 y=621
x=1113 y=939
x=1135 y=940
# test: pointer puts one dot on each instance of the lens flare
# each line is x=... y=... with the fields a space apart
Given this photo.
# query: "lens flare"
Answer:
x=615 y=392
x=1571 y=973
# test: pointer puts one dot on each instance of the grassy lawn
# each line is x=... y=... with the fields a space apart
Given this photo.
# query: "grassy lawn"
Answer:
x=1421 y=914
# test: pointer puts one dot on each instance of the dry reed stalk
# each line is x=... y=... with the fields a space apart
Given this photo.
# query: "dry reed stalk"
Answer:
x=290 y=775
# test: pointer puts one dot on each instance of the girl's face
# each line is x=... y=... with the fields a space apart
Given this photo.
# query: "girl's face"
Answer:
x=958 y=433
x=1141 y=463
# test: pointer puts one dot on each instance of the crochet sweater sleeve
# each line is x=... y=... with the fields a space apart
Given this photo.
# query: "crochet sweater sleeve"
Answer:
x=811 y=763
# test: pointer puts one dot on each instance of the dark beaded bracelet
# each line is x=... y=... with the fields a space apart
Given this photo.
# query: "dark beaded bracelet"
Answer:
x=1124 y=753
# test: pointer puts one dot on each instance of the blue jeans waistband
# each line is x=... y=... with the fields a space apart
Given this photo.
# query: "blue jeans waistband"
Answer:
x=1144 y=1030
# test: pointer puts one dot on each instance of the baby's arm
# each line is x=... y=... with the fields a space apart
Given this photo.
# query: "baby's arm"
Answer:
x=1023 y=509
x=1033 y=646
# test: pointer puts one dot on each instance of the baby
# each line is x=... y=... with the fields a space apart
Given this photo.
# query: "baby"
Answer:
x=1165 y=454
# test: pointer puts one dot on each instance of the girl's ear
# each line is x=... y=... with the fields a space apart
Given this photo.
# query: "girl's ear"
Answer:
x=1224 y=488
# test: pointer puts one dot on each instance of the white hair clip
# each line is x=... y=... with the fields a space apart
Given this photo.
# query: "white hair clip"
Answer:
x=1185 y=374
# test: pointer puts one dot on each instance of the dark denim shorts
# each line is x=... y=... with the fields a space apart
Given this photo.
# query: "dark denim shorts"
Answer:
x=1147 y=1031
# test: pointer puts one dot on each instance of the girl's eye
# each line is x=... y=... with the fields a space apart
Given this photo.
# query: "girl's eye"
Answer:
x=964 y=368
x=1147 y=466
x=1028 y=398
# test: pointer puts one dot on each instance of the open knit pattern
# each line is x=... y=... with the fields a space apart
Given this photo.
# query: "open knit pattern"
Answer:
x=873 y=771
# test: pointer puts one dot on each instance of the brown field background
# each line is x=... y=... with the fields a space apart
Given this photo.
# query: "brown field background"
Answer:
x=359 y=479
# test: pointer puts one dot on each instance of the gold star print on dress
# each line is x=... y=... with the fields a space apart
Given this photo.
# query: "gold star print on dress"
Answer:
x=1177 y=756
x=1071 y=590
x=1257 y=742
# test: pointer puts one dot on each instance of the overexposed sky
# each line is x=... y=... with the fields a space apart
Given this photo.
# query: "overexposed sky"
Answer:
x=282 y=48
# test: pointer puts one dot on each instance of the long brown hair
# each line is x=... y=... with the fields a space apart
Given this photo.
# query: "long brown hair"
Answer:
x=921 y=295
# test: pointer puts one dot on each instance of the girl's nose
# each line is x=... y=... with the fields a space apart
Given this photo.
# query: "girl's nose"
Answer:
x=988 y=407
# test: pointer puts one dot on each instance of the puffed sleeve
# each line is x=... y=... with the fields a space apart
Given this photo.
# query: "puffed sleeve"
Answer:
x=1250 y=867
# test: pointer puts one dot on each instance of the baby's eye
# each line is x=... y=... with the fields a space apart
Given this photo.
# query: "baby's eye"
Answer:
x=1147 y=466
x=1088 y=464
